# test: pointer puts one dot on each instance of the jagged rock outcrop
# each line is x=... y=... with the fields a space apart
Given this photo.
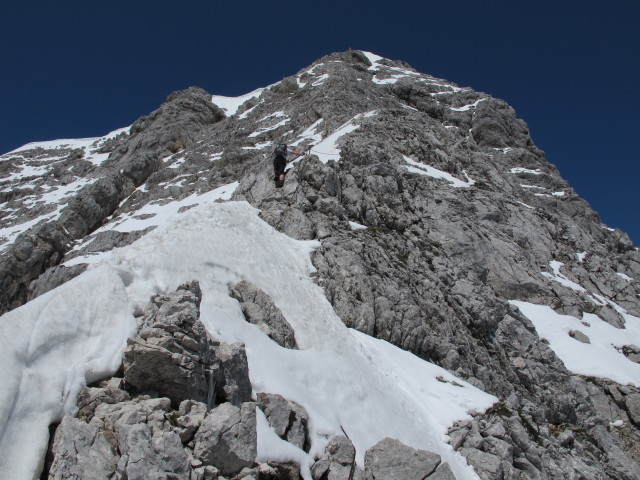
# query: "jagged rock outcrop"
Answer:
x=173 y=354
x=391 y=460
x=227 y=438
x=166 y=431
x=288 y=419
x=338 y=461
x=132 y=159
x=259 y=309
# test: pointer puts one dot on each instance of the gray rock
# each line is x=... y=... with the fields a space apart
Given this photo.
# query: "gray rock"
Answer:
x=337 y=462
x=52 y=278
x=389 y=459
x=632 y=404
x=151 y=454
x=205 y=473
x=578 y=335
x=227 y=438
x=234 y=384
x=173 y=354
x=188 y=419
x=288 y=419
x=487 y=466
x=89 y=398
x=80 y=451
x=280 y=471
x=443 y=472
x=259 y=309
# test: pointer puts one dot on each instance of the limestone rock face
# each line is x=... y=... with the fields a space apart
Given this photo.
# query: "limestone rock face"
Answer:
x=173 y=354
x=234 y=384
x=288 y=419
x=227 y=438
x=81 y=452
x=437 y=210
x=259 y=309
x=132 y=158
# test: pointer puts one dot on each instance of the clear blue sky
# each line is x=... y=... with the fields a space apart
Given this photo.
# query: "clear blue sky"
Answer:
x=570 y=69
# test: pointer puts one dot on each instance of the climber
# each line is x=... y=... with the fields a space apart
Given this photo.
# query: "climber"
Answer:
x=280 y=155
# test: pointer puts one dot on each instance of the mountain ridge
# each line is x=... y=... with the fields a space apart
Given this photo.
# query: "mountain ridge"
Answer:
x=433 y=208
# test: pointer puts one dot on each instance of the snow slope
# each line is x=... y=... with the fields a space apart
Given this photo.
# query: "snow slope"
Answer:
x=346 y=380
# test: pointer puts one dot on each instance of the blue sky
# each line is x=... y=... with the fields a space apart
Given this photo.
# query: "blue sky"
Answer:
x=570 y=69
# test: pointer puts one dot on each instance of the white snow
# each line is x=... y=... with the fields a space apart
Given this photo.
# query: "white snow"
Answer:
x=71 y=142
x=532 y=186
x=279 y=114
x=558 y=194
x=357 y=226
x=429 y=171
x=258 y=146
x=328 y=148
x=556 y=276
x=617 y=423
x=246 y=113
x=56 y=144
x=321 y=79
x=581 y=256
x=598 y=358
x=310 y=134
x=372 y=57
x=49 y=349
x=537 y=171
x=343 y=378
x=626 y=277
x=268 y=129
x=230 y=105
x=504 y=150
x=464 y=108
x=525 y=205
x=155 y=215
x=386 y=81
x=55 y=195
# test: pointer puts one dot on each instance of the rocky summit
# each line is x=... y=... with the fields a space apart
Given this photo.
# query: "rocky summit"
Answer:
x=425 y=297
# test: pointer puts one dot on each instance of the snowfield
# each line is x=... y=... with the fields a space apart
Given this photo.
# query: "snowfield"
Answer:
x=345 y=379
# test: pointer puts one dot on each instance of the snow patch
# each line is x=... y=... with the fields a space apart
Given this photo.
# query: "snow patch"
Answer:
x=269 y=129
x=600 y=358
x=429 y=171
x=626 y=277
x=466 y=107
x=537 y=171
x=525 y=205
x=581 y=256
x=272 y=448
x=49 y=349
x=321 y=79
x=328 y=148
x=230 y=105
x=357 y=226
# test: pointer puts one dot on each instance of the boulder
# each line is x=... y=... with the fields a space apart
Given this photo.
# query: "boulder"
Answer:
x=337 y=462
x=227 y=438
x=288 y=419
x=80 y=451
x=390 y=459
x=259 y=309
x=173 y=353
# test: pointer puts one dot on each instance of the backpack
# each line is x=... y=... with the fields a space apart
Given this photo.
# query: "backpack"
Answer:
x=281 y=150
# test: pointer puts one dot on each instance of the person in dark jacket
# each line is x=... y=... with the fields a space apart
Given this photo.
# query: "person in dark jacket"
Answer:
x=280 y=155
